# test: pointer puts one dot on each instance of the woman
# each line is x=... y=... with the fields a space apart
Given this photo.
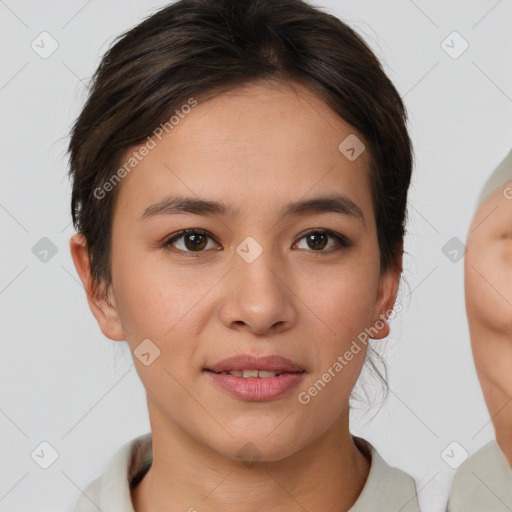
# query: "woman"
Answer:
x=484 y=481
x=240 y=174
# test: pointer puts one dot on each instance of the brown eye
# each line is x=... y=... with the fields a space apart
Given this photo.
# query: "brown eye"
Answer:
x=318 y=239
x=195 y=242
x=192 y=240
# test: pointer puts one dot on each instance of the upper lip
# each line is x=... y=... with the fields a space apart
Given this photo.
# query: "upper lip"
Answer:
x=250 y=362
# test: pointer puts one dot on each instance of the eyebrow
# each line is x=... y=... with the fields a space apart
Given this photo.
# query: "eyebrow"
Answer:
x=334 y=203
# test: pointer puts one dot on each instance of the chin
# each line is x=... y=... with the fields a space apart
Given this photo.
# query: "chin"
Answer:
x=257 y=448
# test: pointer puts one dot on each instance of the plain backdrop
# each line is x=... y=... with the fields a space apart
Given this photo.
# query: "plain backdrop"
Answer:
x=63 y=383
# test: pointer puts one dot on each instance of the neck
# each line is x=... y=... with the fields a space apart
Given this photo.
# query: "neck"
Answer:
x=327 y=474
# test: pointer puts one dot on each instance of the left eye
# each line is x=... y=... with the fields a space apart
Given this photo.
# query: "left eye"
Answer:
x=196 y=241
x=317 y=240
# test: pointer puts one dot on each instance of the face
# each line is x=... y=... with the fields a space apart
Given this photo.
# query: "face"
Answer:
x=488 y=289
x=248 y=280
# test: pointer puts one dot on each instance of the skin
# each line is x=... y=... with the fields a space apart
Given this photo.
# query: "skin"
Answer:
x=271 y=144
x=488 y=293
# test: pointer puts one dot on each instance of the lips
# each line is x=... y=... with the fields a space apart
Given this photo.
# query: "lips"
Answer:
x=256 y=379
x=251 y=363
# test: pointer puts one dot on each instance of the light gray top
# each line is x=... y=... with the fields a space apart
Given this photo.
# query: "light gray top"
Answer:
x=483 y=483
x=389 y=488
x=501 y=175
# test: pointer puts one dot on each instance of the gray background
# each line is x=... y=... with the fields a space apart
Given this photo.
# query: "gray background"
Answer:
x=63 y=382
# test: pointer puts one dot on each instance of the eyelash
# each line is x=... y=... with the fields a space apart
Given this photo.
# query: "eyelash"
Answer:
x=343 y=242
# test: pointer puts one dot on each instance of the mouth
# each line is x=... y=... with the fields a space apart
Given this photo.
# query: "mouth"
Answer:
x=256 y=378
x=251 y=366
x=253 y=374
x=251 y=385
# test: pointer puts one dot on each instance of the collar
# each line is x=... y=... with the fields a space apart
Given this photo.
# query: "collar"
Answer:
x=482 y=482
x=389 y=487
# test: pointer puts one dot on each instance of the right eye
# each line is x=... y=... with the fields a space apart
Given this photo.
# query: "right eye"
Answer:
x=193 y=240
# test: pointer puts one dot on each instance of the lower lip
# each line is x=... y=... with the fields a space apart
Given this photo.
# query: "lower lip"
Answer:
x=257 y=389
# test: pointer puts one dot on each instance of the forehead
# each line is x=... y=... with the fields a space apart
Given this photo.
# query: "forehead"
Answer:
x=262 y=142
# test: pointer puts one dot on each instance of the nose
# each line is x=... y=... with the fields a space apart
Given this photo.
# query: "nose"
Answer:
x=257 y=297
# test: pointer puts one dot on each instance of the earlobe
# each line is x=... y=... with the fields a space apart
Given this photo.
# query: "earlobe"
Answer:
x=101 y=304
x=382 y=329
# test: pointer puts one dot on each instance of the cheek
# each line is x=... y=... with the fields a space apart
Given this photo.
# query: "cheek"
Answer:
x=348 y=311
x=156 y=300
x=343 y=301
x=165 y=307
x=489 y=282
x=342 y=295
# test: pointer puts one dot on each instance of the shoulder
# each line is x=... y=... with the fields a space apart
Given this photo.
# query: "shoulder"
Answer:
x=391 y=488
x=89 y=498
x=499 y=177
x=111 y=490
x=482 y=482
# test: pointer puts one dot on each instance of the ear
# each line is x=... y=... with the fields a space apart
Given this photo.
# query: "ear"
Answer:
x=386 y=297
x=102 y=305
